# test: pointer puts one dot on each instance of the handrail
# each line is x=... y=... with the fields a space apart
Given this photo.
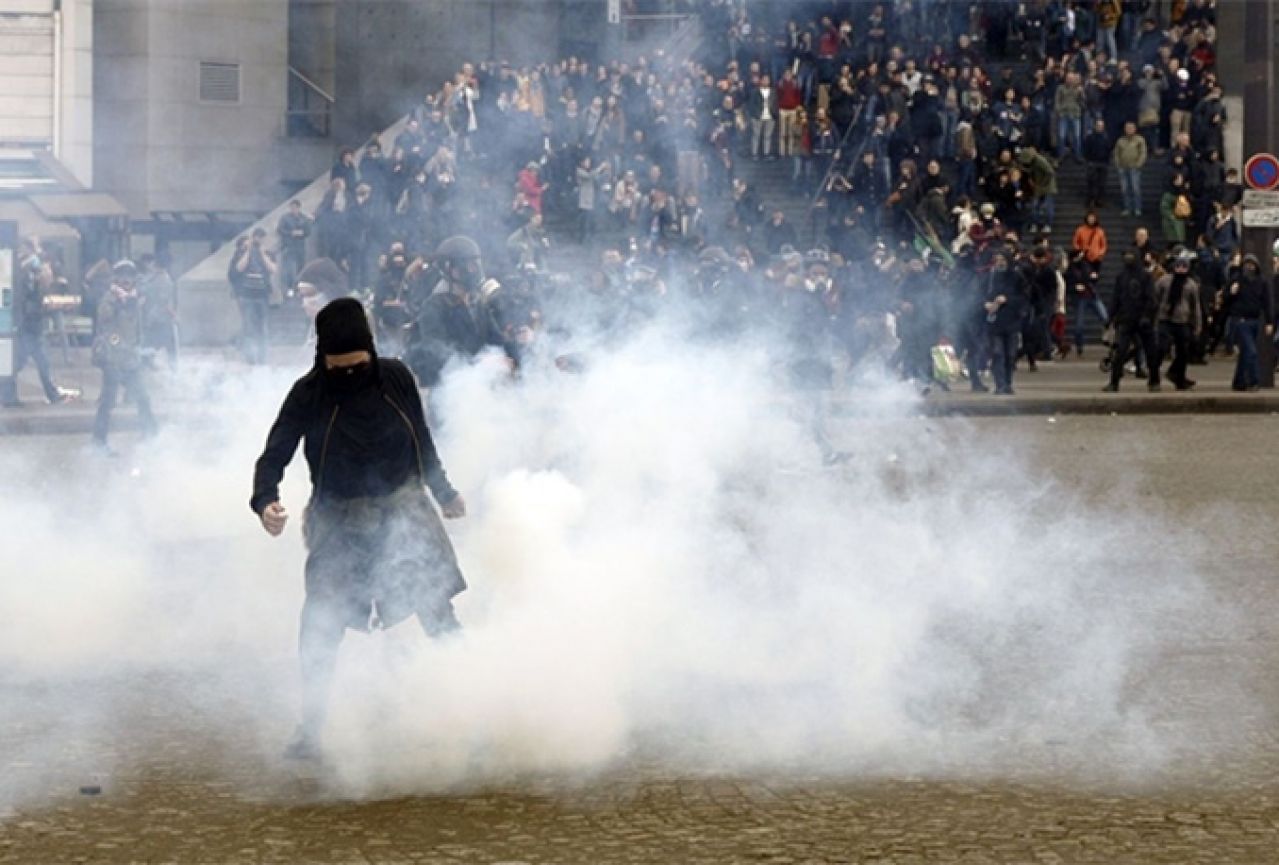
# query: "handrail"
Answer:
x=659 y=16
x=838 y=155
x=296 y=73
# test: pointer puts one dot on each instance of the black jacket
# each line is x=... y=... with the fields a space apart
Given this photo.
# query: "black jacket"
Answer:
x=346 y=439
x=1134 y=300
x=1254 y=298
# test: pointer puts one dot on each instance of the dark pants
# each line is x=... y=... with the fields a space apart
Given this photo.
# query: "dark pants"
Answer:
x=976 y=348
x=1176 y=337
x=1003 y=357
x=1095 y=176
x=370 y=560
x=30 y=345
x=291 y=263
x=112 y=381
x=253 y=333
x=1125 y=336
x=1247 y=365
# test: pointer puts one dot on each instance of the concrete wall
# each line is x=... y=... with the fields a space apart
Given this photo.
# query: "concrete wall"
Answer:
x=157 y=146
x=313 y=40
x=75 y=135
x=391 y=53
x=46 y=80
x=26 y=71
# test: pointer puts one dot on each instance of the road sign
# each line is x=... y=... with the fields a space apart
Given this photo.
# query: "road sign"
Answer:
x=1261 y=171
x=1261 y=217
x=1260 y=198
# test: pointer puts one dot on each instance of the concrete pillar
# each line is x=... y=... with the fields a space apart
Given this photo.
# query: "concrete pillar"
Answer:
x=1249 y=76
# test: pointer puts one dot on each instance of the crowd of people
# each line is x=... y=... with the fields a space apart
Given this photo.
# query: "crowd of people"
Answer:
x=929 y=135
x=925 y=139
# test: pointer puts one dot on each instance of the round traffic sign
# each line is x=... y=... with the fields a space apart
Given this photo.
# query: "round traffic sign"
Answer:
x=1262 y=171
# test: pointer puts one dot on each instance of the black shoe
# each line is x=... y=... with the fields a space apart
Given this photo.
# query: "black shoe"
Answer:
x=1186 y=385
x=1141 y=373
x=305 y=745
x=1110 y=388
x=1153 y=388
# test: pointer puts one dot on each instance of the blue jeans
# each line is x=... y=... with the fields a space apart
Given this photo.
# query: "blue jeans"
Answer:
x=1069 y=130
x=1247 y=366
x=949 y=121
x=1044 y=210
x=1087 y=304
x=966 y=181
x=1106 y=42
x=1130 y=185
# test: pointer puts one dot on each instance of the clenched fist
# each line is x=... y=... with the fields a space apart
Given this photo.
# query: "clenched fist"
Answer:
x=274 y=516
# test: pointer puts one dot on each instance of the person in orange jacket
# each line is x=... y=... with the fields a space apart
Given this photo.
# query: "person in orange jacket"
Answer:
x=1090 y=239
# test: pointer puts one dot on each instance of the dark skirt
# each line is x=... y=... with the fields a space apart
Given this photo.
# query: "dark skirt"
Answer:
x=391 y=551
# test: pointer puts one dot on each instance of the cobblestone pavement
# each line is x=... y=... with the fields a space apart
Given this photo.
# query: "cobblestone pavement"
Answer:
x=179 y=792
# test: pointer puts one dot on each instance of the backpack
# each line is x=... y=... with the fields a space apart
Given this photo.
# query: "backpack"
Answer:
x=1181 y=207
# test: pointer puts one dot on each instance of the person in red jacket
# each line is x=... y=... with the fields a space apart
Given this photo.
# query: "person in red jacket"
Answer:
x=790 y=99
x=530 y=185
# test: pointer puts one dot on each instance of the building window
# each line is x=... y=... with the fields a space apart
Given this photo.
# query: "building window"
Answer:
x=219 y=82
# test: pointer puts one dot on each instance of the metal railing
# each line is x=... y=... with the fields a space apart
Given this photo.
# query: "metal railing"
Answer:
x=645 y=28
x=837 y=159
x=309 y=112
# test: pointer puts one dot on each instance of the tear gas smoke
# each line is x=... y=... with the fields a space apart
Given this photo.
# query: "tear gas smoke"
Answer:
x=659 y=568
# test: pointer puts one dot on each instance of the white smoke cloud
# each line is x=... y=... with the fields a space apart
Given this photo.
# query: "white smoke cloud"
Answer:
x=659 y=567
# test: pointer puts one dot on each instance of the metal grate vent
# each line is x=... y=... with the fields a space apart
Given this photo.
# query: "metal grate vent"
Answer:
x=219 y=82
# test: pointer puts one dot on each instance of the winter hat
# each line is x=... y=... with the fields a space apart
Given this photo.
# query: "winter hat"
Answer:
x=325 y=276
x=342 y=327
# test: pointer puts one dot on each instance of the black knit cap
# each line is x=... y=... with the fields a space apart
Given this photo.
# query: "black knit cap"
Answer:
x=342 y=327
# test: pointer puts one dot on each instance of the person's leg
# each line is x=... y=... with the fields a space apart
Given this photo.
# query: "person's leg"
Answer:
x=319 y=639
x=1180 y=334
x=106 y=402
x=787 y=121
x=1246 y=367
x=1136 y=190
x=1012 y=340
x=260 y=312
x=137 y=385
x=1150 y=345
x=998 y=364
x=35 y=348
x=1124 y=337
x=770 y=128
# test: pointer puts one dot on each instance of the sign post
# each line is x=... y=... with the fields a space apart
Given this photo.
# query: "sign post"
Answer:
x=1261 y=211
x=8 y=313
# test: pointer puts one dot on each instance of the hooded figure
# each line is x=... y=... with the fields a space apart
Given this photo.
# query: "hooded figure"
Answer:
x=1180 y=315
x=377 y=552
x=1252 y=308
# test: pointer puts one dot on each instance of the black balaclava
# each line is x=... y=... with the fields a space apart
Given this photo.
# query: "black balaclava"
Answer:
x=341 y=328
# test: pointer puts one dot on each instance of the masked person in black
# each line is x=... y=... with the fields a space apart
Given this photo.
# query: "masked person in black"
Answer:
x=377 y=551
x=1252 y=308
x=390 y=310
x=1133 y=310
x=1006 y=311
x=452 y=321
